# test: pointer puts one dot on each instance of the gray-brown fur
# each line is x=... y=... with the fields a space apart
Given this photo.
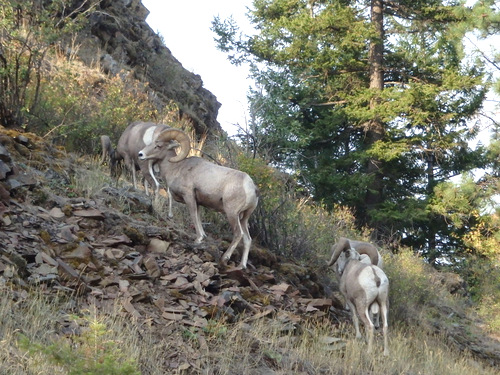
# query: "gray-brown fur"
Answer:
x=130 y=143
x=107 y=149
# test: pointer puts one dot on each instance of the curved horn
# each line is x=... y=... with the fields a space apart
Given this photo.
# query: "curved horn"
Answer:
x=342 y=244
x=179 y=136
x=370 y=250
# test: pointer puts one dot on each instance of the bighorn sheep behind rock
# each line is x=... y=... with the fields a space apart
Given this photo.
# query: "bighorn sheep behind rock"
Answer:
x=197 y=182
x=366 y=290
x=133 y=139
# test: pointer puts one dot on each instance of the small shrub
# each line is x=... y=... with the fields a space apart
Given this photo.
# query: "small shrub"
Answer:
x=411 y=288
x=483 y=280
x=90 y=353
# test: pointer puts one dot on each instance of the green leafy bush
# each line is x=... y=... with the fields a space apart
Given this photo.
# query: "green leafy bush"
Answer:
x=411 y=288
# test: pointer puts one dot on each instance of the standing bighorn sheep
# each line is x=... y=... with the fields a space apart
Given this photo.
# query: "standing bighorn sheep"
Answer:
x=369 y=255
x=197 y=182
x=108 y=154
x=366 y=290
x=134 y=138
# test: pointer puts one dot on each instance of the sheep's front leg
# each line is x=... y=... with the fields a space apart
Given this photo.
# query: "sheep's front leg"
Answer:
x=155 y=181
x=169 y=197
x=194 y=212
x=131 y=165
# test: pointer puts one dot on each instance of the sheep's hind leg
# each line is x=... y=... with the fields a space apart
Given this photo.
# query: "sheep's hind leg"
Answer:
x=383 y=311
x=234 y=221
x=369 y=327
x=355 y=319
x=247 y=240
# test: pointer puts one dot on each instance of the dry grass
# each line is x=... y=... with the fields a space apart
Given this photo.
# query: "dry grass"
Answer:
x=40 y=319
x=248 y=347
x=93 y=178
x=261 y=345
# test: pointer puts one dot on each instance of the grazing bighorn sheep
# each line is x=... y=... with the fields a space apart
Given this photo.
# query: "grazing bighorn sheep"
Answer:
x=366 y=290
x=134 y=138
x=197 y=182
x=109 y=154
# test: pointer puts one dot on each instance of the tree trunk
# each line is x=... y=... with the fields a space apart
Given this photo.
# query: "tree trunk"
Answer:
x=375 y=128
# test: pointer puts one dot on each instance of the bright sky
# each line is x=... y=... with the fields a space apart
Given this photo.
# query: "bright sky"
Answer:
x=185 y=28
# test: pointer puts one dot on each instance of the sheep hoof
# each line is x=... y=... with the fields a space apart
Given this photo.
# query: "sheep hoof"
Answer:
x=223 y=263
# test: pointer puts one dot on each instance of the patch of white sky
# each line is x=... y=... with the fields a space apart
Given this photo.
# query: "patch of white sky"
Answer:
x=479 y=46
x=185 y=27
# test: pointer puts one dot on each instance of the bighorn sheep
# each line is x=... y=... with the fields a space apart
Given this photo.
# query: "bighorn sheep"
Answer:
x=369 y=254
x=134 y=138
x=197 y=182
x=108 y=153
x=366 y=290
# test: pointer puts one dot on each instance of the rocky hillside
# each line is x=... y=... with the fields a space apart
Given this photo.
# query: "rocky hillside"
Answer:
x=52 y=238
x=119 y=38
x=110 y=249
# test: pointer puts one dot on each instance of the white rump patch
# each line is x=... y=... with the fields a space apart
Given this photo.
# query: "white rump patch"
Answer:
x=148 y=135
x=249 y=188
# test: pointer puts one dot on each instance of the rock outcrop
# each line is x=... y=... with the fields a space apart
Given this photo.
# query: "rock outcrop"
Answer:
x=120 y=39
